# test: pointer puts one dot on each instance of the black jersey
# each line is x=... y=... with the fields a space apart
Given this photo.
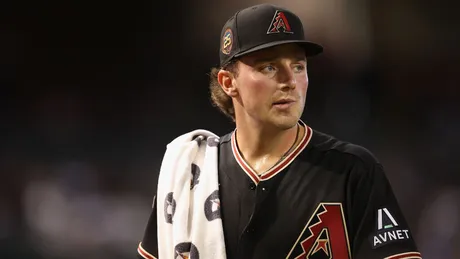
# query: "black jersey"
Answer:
x=327 y=199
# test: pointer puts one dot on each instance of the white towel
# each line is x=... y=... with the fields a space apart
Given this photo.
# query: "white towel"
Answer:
x=189 y=222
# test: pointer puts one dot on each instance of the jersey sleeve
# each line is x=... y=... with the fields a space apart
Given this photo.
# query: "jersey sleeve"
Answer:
x=148 y=247
x=378 y=228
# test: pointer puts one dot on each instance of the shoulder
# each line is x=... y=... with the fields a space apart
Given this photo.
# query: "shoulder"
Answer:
x=343 y=157
x=342 y=151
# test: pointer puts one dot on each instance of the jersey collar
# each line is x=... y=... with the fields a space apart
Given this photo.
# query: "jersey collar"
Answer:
x=280 y=166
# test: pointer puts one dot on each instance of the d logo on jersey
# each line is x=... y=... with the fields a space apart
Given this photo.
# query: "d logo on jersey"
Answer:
x=325 y=235
x=169 y=208
x=212 y=206
x=186 y=250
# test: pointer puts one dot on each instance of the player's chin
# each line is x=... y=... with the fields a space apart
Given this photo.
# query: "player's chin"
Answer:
x=286 y=121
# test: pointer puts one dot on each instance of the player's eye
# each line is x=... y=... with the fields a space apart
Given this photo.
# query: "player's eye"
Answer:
x=268 y=69
x=298 y=68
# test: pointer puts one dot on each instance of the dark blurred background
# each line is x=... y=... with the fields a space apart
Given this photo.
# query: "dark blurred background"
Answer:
x=92 y=91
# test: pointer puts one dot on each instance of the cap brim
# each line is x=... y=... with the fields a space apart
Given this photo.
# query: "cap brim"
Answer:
x=311 y=49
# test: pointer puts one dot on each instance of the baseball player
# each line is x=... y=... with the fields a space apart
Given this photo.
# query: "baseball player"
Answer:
x=287 y=190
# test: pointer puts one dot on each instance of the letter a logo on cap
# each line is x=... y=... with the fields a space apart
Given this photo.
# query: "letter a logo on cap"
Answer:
x=279 y=21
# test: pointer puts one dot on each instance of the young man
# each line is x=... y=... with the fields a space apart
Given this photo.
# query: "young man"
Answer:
x=286 y=190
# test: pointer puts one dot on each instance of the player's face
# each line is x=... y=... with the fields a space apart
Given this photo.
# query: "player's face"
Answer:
x=272 y=85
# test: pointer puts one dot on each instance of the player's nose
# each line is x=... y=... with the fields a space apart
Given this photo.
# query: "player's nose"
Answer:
x=287 y=77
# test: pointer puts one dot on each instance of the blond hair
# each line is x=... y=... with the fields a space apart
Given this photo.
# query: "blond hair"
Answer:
x=218 y=97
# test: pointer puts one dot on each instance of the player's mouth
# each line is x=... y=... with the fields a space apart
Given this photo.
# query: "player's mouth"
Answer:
x=284 y=103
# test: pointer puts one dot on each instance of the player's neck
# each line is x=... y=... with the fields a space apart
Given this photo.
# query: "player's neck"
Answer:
x=262 y=143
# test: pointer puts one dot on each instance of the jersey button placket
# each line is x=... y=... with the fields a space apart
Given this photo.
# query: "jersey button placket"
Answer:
x=249 y=230
x=261 y=194
x=252 y=186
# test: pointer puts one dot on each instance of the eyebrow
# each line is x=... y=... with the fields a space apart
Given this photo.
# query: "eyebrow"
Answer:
x=273 y=58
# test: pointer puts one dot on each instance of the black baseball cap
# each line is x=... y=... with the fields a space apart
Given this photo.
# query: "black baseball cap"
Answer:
x=259 y=27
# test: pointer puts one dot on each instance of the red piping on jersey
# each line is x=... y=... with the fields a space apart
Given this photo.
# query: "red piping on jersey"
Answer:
x=144 y=253
x=409 y=255
x=278 y=168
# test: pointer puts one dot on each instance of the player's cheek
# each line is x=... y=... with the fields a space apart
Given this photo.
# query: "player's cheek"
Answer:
x=261 y=93
x=259 y=86
x=302 y=80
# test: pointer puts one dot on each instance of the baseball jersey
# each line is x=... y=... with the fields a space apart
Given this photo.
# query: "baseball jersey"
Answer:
x=328 y=199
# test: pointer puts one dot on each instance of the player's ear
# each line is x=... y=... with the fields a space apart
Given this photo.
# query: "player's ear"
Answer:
x=226 y=80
